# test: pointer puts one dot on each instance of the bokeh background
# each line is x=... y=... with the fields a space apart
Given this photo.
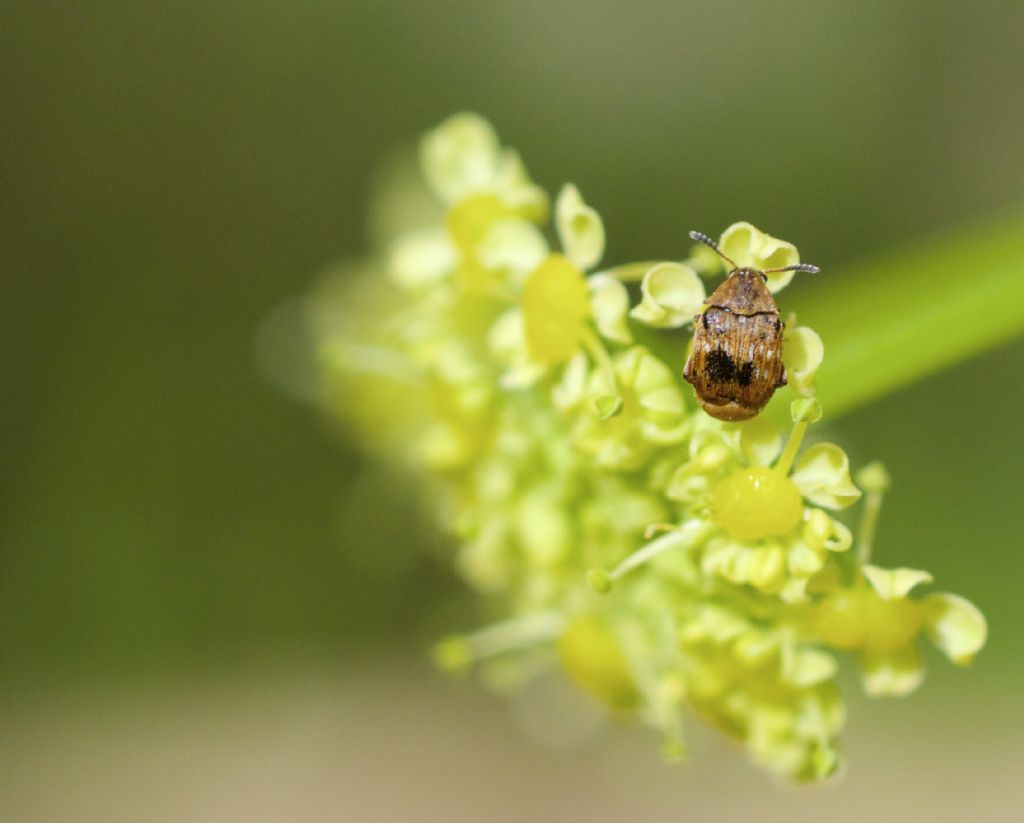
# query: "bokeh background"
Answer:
x=211 y=608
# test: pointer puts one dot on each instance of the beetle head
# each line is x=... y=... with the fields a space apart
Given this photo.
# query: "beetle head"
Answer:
x=711 y=244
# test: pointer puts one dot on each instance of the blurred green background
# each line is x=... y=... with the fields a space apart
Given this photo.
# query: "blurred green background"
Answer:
x=172 y=172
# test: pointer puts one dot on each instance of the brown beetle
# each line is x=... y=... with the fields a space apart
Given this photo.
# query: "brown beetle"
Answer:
x=736 y=364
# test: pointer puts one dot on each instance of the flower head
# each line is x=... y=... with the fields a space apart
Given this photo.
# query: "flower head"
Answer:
x=661 y=557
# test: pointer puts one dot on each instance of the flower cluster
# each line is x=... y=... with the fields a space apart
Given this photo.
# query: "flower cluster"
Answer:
x=665 y=559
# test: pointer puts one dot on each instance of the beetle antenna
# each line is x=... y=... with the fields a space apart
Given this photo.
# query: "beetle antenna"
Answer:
x=711 y=244
x=807 y=267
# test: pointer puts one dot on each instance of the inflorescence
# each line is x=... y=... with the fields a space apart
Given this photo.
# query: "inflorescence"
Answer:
x=667 y=560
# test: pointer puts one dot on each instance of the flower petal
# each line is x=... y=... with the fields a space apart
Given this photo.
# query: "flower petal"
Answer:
x=506 y=342
x=486 y=561
x=609 y=302
x=891 y=674
x=656 y=387
x=955 y=626
x=569 y=390
x=749 y=246
x=777 y=254
x=822 y=474
x=513 y=246
x=528 y=199
x=760 y=441
x=580 y=229
x=841 y=538
x=506 y=339
x=803 y=560
x=543 y=527
x=817 y=528
x=824 y=532
x=460 y=156
x=895 y=584
x=607 y=406
x=742 y=242
x=649 y=374
x=671 y=295
x=767 y=567
x=802 y=355
x=803 y=667
x=422 y=258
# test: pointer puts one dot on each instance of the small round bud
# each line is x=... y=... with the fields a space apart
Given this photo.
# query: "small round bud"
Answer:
x=805 y=410
x=607 y=406
x=874 y=478
x=600 y=581
x=452 y=654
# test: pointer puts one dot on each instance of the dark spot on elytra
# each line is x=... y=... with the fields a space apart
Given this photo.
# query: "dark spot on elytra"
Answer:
x=720 y=367
x=745 y=374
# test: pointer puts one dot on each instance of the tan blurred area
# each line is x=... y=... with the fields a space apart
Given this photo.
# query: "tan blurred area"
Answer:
x=394 y=743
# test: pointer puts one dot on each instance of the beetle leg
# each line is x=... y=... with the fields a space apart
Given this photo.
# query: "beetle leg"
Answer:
x=687 y=368
x=782 y=379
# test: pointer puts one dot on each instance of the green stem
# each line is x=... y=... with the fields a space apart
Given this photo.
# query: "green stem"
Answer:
x=595 y=348
x=514 y=634
x=684 y=537
x=890 y=321
x=631 y=272
x=796 y=437
x=868 y=525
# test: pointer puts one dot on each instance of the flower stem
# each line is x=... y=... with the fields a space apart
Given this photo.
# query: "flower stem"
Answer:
x=796 y=437
x=631 y=272
x=595 y=348
x=868 y=524
x=362 y=358
x=514 y=634
x=684 y=537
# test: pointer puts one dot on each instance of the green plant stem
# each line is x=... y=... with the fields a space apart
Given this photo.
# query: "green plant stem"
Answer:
x=891 y=321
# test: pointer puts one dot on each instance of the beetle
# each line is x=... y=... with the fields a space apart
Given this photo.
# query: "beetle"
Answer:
x=736 y=364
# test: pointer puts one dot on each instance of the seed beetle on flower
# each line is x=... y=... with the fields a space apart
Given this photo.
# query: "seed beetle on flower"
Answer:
x=736 y=364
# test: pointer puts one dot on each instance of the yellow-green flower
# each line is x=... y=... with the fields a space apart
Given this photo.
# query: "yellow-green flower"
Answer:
x=463 y=158
x=491 y=238
x=770 y=529
x=876 y=618
x=671 y=293
x=748 y=246
x=761 y=685
x=561 y=312
x=556 y=299
x=629 y=411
